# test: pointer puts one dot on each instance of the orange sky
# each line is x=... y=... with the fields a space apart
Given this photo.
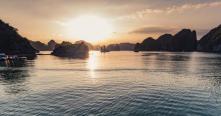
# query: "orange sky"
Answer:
x=132 y=20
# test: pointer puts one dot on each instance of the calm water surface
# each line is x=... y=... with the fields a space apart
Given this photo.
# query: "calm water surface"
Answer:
x=116 y=83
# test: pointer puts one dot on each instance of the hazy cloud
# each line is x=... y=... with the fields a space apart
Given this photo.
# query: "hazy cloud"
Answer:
x=153 y=30
x=172 y=9
x=164 y=30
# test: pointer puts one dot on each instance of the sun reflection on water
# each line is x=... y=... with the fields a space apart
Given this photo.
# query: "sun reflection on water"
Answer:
x=92 y=63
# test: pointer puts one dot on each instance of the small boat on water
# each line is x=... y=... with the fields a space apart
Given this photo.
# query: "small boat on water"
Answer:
x=104 y=49
x=15 y=57
x=12 y=57
x=4 y=57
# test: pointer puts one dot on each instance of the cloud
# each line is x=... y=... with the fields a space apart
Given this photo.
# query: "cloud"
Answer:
x=56 y=9
x=153 y=30
x=171 y=9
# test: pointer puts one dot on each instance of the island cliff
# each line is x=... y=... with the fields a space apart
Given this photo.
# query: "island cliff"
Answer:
x=67 y=49
x=211 y=42
x=185 y=40
x=12 y=43
x=42 y=46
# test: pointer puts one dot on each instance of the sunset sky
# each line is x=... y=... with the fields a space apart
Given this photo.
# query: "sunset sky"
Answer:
x=124 y=20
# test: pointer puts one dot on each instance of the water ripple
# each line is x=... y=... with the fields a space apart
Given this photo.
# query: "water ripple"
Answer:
x=134 y=84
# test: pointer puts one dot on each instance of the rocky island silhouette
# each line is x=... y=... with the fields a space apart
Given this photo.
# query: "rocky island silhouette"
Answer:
x=66 y=49
x=12 y=43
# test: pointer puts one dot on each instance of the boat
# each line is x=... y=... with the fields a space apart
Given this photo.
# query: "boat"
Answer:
x=3 y=57
x=104 y=49
x=12 y=57
x=15 y=57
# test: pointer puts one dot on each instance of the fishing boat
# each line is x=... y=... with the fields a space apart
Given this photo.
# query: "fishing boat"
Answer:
x=104 y=49
x=15 y=57
x=4 y=57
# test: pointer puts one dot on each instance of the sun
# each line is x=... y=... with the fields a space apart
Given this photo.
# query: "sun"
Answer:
x=90 y=28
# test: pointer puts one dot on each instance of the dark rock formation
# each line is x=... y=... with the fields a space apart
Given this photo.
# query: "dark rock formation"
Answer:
x=67 y=49
x=52 y=44
x=185 y=40
x=165 y=42
x=211 y=42
x=149 y=44
x=43 y=47
x=12 y=43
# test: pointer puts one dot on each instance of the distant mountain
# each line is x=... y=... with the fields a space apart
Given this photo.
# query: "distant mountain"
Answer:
x=43 y=47
x=121 y=47
x=113 y=47
x=185 y=40
x=39 y=46
x=13 y=43
x=52 y=45
x=126 y=46
x=211 y=42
